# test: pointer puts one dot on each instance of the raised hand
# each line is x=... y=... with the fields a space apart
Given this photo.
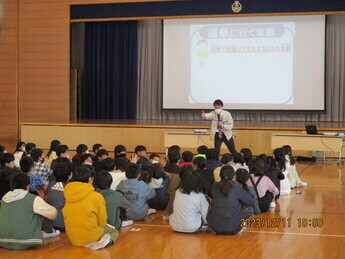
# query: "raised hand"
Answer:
x=203 y=114
x=134 y=158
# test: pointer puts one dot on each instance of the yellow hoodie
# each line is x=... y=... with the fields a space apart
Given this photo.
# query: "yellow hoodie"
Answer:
x=85 y=213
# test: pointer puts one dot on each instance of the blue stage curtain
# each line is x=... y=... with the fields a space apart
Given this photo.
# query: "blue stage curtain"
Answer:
x=110 y=75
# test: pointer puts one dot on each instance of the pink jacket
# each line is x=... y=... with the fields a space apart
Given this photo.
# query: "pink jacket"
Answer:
x=264 y=185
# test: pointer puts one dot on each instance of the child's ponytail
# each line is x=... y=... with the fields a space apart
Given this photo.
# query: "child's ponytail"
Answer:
x=226 y=174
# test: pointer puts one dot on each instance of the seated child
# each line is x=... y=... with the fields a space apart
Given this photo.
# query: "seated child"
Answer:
x=159 y=182
x=37 y=186
x=284 y=165
x=85 y=213
x=227 y=159
x=242 y=176
x=7 y=162
x=51 y=155
x=207 y=173
x=61 y=151
x=173 y=149
x=144 y=175
x=62 y=173
x=114 y=200
x=228 y=196
x=81 y=150
x=100 y=156
x=95 y=149
x=190 y=205
x=121 y=164
x=199 y=164
x=154 y=158
x=86 y=159
x=202 y=151
x=239 y=162
x=173 y=171
x=294 y=179
x=92 y=170
x=120 y=151
x=41 y=168
x=263 y=186
x=187 y=158
x=207 y=177
x=212 y=160
x=22 y=215
x=28 y=148
x=187 y=169
x=137 y=192
x=108 y=164
x=273 y=172
x=19 y=153
x=247 y=155
x=141 y=152
x=5 y=175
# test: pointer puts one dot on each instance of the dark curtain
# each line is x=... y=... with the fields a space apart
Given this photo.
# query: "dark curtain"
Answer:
x=110 y=70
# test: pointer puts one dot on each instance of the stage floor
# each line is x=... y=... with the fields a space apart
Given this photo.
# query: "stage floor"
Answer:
x=324 y=198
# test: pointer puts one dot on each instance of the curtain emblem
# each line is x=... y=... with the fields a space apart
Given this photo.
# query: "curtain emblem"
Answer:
x=236 y=7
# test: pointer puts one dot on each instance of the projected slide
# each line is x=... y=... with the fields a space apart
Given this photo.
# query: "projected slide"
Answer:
x=250 y=63
x=237 y=57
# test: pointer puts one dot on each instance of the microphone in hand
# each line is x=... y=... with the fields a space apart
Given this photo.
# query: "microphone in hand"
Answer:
x=220 y=123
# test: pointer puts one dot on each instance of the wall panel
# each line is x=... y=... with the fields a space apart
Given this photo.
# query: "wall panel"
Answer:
x=44 y=60
x=8 y=73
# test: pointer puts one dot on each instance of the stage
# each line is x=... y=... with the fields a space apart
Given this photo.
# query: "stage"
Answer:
x=151 y=133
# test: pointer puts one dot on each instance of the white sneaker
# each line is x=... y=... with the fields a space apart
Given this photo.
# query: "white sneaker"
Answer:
x=244 y=228
x=151 y=211
x=166 y=217
x=272 y=204
x=89 y=244
x=103 y=242
x=204 y=227
x=126 y=223
x=302 y=184
x=48 y=235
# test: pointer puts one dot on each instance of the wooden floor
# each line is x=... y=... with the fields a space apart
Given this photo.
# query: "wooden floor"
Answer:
x=323 y=198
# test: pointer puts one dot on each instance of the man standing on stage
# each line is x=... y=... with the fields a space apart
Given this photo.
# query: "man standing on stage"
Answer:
x=221 y=127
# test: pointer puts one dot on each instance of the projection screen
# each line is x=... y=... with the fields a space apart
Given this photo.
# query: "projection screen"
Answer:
x=250 y=63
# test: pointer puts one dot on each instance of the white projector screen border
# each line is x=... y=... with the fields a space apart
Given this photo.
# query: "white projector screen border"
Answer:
x=167 y=95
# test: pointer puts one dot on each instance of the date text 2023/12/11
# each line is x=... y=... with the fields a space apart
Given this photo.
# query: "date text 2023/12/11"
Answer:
x=282 y=222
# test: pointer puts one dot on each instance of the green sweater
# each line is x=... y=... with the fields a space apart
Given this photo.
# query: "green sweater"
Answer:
x=20 y=227
x=114 y=201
